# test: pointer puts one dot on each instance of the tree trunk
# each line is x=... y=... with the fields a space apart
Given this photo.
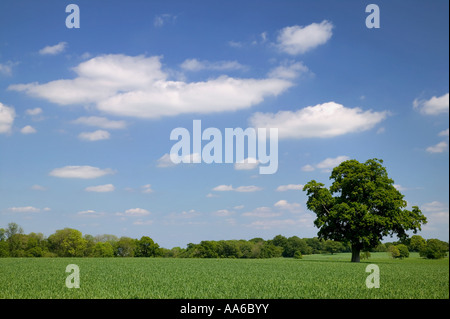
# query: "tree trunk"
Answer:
x=355 y=253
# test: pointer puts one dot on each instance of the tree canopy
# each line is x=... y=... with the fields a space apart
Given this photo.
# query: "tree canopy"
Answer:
x=361 y=206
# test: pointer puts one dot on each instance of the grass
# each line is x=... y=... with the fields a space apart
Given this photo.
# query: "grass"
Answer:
x=314 y=276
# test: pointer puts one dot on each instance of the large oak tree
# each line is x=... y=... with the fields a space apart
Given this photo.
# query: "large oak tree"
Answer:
x=361 y=206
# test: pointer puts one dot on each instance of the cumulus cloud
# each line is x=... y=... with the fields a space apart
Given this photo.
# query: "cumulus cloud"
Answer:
x=433 y=106
x=327 y=164
x=135 y=212
x=300 y=39
x=162 y=19
x=100 y=188
x=283 y=188
x=94 y=136
x=137 y=86
x=53 y=49
x=7 y=115
x=438 y=148
x=26 y=209
x=246 y=164
x=101 y=122
x=165 y=160
x=241 y=189
x=90 y=213
x=83 y=172
x=196 y=65
x=146 y=189
x=285 y=205
x=34 y=112
x=37 y=187
x=323 y=120
x=28 y=130
x=288 y=70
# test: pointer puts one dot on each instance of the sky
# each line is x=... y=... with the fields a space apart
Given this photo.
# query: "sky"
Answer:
x=86 y=113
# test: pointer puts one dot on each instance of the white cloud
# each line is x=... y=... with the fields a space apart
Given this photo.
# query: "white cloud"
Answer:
x=38 y=187
x=24 y=209
x=100 y=188
x=141 y=222
x=330 y=163
x=165 y=161
x=33 y=112
x=223 y=188
x=146 y=189
x=241 y=189
x=308 y=168
x=28 y=130
x=83 y=172
x=247 y=164
x=261 y=212
x=400 y=188
x=101 y=122
x=288 y=70
x=162 y=19
x=433 y=106
x=275 y=223
x=53 y=49
x=135 y=212
x=7 y=115
x=138 y=87
x=285 y=205
x=444 y=133
x=94 y=136
x=298 y=39
x=323 y=120
x=90 y=213
x=437 y=212
x=327 y=164
x=247 y=189
x=283 y=188
x=438 y=148
x=223 y=212
x=196 y=65
x=235 y=44
x=6 y=68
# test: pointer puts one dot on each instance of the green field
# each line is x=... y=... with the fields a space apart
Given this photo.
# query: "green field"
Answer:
x=314 y=276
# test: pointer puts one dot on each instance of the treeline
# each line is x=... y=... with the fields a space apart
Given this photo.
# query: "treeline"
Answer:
x=70 y=242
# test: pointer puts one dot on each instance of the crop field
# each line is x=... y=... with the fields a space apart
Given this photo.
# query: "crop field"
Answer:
x=314 y=276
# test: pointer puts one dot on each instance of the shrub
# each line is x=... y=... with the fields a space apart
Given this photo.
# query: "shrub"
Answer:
x=393 y=251
x=298 y=254
x=434 y=249
x=403 y=250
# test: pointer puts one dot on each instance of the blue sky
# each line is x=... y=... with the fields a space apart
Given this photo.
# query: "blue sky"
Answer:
x=86 y=113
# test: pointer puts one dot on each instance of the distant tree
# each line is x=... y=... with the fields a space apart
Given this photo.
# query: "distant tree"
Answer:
x=146 y=247
x=13 y=229
x=434 y=249
x=298 y=255
x=332 y=246
x=293 y=245
x=403 y=250
x=2 y=234
x=269 y=250
x=103 y=249
x=366 y=206
x=67 y=242
x=393 y=251
x=125 y=247
x=417 y=243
